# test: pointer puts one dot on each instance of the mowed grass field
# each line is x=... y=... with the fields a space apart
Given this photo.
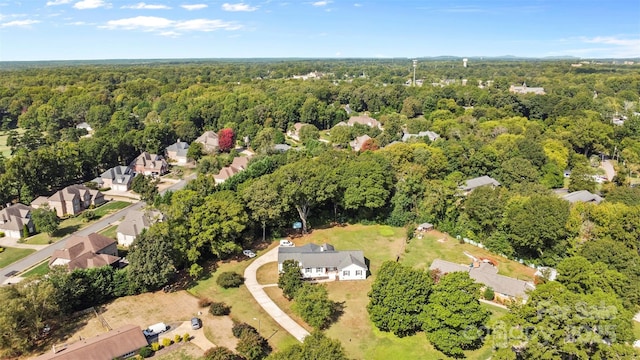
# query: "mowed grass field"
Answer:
x=359 y=336
x=11 y=255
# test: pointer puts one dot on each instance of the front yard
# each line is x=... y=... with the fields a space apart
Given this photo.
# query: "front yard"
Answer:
x=11 y=255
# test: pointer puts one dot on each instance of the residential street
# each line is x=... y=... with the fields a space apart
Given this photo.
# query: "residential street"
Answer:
x=263 y=299
x=41 y=255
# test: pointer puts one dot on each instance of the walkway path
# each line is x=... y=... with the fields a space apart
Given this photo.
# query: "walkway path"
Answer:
x=263 y=299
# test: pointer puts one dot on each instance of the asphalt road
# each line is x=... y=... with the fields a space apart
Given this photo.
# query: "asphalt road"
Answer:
x=41 y=255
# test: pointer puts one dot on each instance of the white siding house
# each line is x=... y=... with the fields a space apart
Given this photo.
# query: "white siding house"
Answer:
x=325 y=262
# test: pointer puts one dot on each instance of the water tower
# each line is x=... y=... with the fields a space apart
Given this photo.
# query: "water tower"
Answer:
x=464 y=62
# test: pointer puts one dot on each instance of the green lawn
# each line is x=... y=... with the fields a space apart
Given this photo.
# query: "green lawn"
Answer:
x=41 y=269
x=636 y=329
x=4 y=149
x=244 y=308
x=11 y=255
x=109 y=231
x=71 y=225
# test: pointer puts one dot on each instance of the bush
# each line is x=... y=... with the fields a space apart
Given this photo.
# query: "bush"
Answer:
x=155 y=346
x=219 y=309
x=205 y=302
x=1 y=249
x=230 y=279
x=489 y=294
x=1 y=234
x=252 y=346
x=240 y=328
x=145 y=352
x=166 y=342
x=177 y=338
x=220 y=353
x=89 y=215
x=186 y=337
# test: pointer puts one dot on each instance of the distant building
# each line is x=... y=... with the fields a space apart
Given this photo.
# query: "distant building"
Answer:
x=178 y=152
x=325 y=262
x=356 y=144
x=582 y=196
x=14 y=218
x=364 y=120
x=117 y=178
x=134 y=222
x=430 y=134
x=209 y=141
x=475 y=183
x=524 y=89
x=239 y=164
x=150 y=164
x=71 y=200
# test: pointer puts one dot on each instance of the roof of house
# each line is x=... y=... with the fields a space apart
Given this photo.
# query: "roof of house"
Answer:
x=281 y=147
x=150 y=161
x=106 y=346
x=479 y=181
x=209 y=138
x=363 y=120
x=135 y=221
x=425 y=226
x=356 y=144
x=180 y=148
x=116 y=171
x=69 y=193
x=312 y=255
x=486 y=274
x=430 y=134
x=84 y=251
x=238 y=164
x=582 y=196
x=14 y=217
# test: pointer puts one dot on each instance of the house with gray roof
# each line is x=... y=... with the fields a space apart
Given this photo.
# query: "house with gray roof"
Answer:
x=178 y=152
x=583 y=196
x=325 y=262
x=134 y=223
x=475 y=183
x=117 y=178
x=486 y=274
x=430 y=134
x=14 y=218
x=209 y=140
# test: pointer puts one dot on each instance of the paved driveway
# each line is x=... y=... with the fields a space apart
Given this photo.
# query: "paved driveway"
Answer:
x=197 y=336
x=263 y=299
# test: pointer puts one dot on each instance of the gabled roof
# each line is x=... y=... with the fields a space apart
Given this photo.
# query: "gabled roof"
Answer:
x=582 y=196
x=359 y=141
x=150 y=161
x=106 y=346
x=430 y=134
x=208 y=138
x=487 y=275
x=363 y=120
x=135 y=221
x=479 y=181
x=180 y=148
x=312 y=255
x=69 y=194
x=238 y=164
x=14 y=217
x=84 y=251
x=116 y=171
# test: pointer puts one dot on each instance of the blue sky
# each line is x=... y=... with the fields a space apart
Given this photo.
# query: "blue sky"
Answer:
x=132 y=29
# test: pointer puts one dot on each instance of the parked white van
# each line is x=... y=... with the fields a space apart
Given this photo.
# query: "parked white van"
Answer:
x=155 y=329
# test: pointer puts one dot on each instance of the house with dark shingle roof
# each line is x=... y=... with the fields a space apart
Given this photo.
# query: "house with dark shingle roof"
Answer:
x=325 y=262
x=149 y=164
x=85 y=252
x=120 y=343
x=134 y=222
x=14 y=218
x=117 y=178
x=178 y=152
x=486 y=274
x=475 y=183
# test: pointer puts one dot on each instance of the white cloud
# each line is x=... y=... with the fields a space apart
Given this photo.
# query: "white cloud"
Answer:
x=194 y=6
x=78 y=23
x=357 y=5
x=19 y=23
x=145 y=6
x=90 y=4
x=168 y=27
x=58 y=2
x=321 y=3
x=613 y=40
x=238 y=7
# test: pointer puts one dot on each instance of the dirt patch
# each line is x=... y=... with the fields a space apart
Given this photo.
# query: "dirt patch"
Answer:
x=218 y=330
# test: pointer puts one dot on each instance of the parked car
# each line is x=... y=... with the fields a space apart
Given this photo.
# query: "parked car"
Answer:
x=196 y=323
x=287 y=243
x=249 y=253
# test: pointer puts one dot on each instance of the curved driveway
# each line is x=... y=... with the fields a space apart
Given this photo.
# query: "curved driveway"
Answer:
x=263 y=299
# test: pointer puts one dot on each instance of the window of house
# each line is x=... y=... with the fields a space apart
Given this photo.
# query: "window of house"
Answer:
x=358 y=272
x=346 y=273
x=307 y=270
x=319 y=270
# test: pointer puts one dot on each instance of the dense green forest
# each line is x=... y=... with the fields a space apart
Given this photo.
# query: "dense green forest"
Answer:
x=525 y=141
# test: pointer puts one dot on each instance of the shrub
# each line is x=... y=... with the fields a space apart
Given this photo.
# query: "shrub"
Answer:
x=219 y=309
x=145 y=352
x=230 y=279
x=89 y=215
x=489 y=294
x=1 y=249
x=186 y=337
x=1 y=234
x=204 y=302
x=166 y=342
x=177 y=338
x=252 y=346
x=220 y=353
x=155 y=346
x=240 y=328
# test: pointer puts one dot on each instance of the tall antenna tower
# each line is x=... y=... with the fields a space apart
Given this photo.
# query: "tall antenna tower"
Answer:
x=415 y=64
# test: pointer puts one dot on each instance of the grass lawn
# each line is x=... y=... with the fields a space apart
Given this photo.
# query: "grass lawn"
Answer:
x=267 y=274
x=109 y=231
x=244 y=308
x=11 y=255
x=71 y=225
x=380 y=243
x=187 y=351
x=636 y=329
x=41 y=269
x=4 y=149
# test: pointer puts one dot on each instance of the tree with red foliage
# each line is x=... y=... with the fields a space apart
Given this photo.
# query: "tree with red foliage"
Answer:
x=226 y=139
x=370 y=144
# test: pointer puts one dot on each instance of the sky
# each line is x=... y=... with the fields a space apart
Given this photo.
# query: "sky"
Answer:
x=170 y=29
